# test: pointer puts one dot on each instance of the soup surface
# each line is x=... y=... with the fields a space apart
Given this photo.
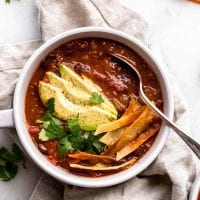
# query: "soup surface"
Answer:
x=90 y=57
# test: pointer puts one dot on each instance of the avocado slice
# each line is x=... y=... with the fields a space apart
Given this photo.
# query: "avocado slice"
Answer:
x=84 y=84
x=69 y=75
x=73 y=93
x=90 y=117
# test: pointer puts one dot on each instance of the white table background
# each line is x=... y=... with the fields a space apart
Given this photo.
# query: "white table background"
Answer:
x=174 y=28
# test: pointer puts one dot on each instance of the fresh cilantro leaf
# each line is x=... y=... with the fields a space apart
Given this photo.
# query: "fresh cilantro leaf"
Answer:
x=2 y=162
x=92 y=143
x=77 y=140
x=6 y=155
x=51 y=105
x=15 y=156
x=96 y=98
x=48 y=115
x=9 y=1
x=89 y=147
x=52 y=127
x=51 y=131
x=56 y=121
x=75 y=136
x=19 y=155
x=8 y=172
x=98 y=146
x=8 y=160
x=73 y=125
x=64 y=146
x=54 y=131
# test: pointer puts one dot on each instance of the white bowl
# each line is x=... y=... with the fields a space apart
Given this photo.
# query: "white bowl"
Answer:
x=195 y=189
x=20 y=119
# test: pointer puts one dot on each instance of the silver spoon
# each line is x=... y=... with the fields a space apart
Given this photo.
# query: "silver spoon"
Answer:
x=195 y=147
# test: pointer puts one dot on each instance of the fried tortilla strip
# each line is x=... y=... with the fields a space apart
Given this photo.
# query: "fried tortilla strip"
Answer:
x=101 y=167
x=138 y=126
x=94 y=159
x=131 y=113
x=111 y=137
x=132 y=146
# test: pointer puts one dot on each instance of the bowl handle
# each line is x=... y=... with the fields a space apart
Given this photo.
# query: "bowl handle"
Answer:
x=7 y=119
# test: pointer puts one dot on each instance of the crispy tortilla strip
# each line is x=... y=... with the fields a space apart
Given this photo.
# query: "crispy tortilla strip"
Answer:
x=100 y=167
x=94 y=159
x=138 y=126
x=131 y=113
x=132 y=146
x=111 y=137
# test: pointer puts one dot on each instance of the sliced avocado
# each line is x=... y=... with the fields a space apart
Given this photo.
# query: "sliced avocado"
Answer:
x=69 y=75
x=90 y=117
x=73 y=93
x=84 y=84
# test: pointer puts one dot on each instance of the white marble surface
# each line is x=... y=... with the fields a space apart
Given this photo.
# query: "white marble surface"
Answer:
x=174 y=28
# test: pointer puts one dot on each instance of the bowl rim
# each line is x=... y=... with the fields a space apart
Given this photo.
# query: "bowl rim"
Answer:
x=195 y=189
x=56 y=171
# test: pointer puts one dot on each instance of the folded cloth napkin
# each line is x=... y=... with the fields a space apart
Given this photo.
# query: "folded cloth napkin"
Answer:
x=171 y=174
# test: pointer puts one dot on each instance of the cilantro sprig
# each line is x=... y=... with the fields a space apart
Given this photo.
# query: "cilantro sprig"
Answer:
x=48 y=114
x=76 y=139
x=79 y=140
x=8 y=162
x=96 y=98
x=70 y=137
x=64 y=146
x=92 y=144
x=51 y=126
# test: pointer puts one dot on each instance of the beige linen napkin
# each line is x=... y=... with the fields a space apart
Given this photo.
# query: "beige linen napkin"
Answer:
x=171 y=174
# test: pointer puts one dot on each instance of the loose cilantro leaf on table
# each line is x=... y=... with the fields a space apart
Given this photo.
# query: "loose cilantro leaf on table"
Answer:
x=18 y=154
x=8 y=162
x=8 y=171
x=96 y=98
x=9 y=1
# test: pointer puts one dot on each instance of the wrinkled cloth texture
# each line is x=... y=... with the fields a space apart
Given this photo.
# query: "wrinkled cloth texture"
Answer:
x=171 y=174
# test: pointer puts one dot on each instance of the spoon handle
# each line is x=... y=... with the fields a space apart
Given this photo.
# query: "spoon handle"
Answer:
x=195 y=146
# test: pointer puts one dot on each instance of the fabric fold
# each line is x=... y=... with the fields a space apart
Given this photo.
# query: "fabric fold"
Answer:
x=12 y=60
x=59 y=16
